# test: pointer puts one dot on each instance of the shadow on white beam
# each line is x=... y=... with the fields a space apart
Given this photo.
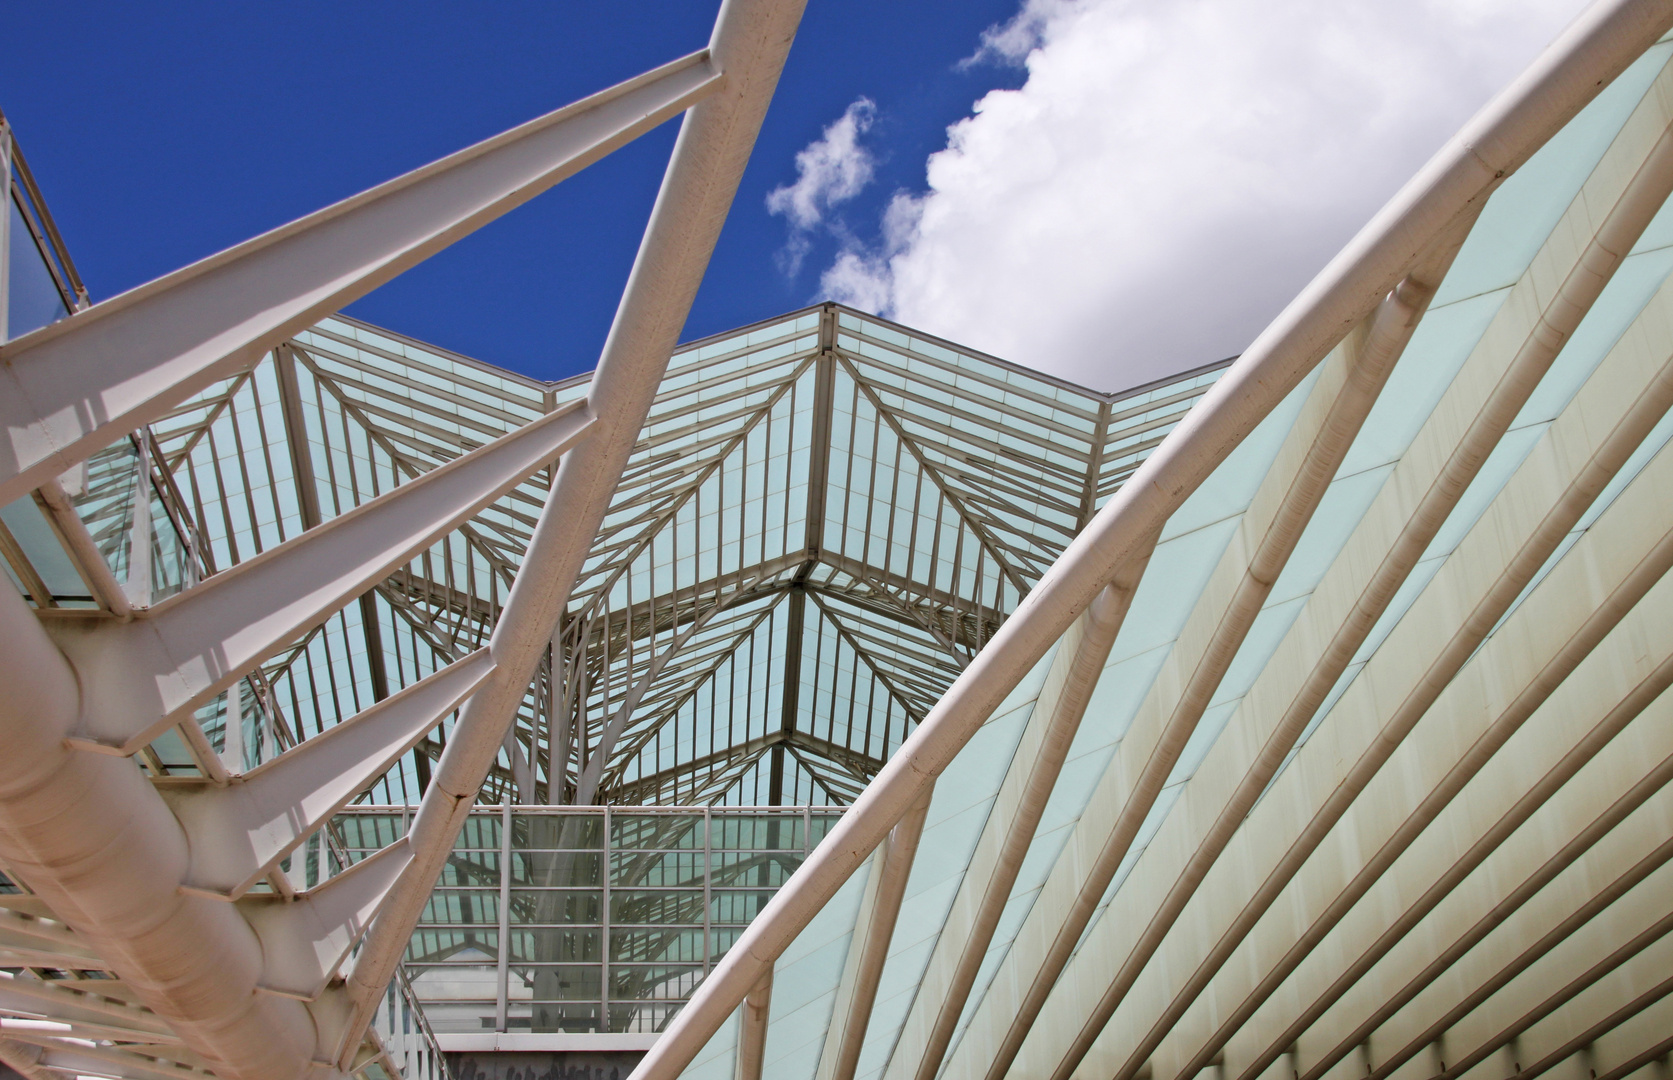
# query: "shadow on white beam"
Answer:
x=141 y=677
x=73 y=387
x=242 y=830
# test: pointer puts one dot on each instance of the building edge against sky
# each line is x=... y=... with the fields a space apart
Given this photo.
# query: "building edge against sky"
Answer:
x=1356 y=762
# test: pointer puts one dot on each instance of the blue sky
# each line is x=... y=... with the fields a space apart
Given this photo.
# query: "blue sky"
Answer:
x=163 y=133
x=1122 y=188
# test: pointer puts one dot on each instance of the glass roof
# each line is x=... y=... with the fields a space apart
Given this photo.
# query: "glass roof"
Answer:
x=825 y=517
x=1434 y=390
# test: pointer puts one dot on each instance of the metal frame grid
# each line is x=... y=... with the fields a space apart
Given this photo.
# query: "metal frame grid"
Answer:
x=197 y=481
x=588 y=951
x=758 y=621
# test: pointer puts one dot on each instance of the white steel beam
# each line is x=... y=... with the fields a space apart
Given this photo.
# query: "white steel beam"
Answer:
x=752 y=1030
x=1292 y=492
x=1537 y=796
x=1082 y=665
x=1563 y=998
x=1608 y=420
x=139 y=678
x=240 y=831
x=85 y=1028
x=74 y=386
x=39 y=997
x=751 y=40
x=25 y=1059
x=1592 y=1034
x=57 y=944
x=898 y=854
x=1643 y=195
x=89 y=560
x=306 y=938
x=82 y=1057
x=1568 y=931
x=91 y=836
x=1595 y=48
x=86 y=831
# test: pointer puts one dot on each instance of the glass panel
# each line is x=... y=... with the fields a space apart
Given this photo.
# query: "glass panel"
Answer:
x=460 y=996
x=556 y=946
x=573 y=832
x=659 y=907
x=169 y=554
x=560 y=982
x=656 y=868
x=105 y=500
x=663 y=944
x=738 y=906
x=457 y=946
x=656 y=831
x=41 y=547
x=557 y=869
x=757 y=831
x=35 y=300
x=656 y=982
x=463 y=907
x=543 y=907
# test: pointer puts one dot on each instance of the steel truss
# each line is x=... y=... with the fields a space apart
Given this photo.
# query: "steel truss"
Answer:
x=1365 y=690
x=188 y=629
x=992 y=470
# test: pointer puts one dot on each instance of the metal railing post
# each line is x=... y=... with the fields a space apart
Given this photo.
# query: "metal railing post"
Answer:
x=502 y=971
x=604 y=930
x=708 y=888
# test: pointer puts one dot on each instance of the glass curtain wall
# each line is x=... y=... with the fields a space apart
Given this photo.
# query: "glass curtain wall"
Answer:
x=609 y=917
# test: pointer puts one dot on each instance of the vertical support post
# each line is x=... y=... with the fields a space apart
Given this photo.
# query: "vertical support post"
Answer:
x=1094 y=467
x=563 y=677
x=708 y=888
x=752 y=1031
x=232 y=743
x=899 y=850
x=797 y=606
x=819 y=462
x=812 y=541
x=139 y=532
x=604 y=930
x=502 y=970
x=5 y=231
x=296 y=437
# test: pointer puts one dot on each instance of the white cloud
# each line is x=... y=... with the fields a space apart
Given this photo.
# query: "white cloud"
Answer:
x=1174 y=171
x=829 y=171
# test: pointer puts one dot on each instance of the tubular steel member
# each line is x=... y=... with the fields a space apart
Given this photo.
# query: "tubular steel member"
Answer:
x=1625 y=222
x=752 y=1030
x=1102 y=622
x=1389 y=328
x=1653 y=402
x=750 y=43
x=92 y=837
x=1597 y=47
x=75 y=386
x=898 y=855
x=86 y=830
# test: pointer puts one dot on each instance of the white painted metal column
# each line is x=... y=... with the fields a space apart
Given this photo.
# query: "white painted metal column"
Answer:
x=751 y=40
x=1591 y=53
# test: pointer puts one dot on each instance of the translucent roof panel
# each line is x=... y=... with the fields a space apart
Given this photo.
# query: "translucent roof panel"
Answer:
x=1367 y=760
x=825 y=517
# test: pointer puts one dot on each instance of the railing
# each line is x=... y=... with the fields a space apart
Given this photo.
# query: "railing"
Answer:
x=409 y=1046
x=610 y=917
